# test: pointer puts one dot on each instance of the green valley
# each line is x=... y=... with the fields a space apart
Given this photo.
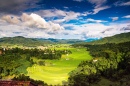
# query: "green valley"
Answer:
x=54 y=71
x=98 y=63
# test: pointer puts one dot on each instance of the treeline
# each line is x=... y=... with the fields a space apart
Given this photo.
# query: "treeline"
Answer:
x=110 y=66
x=109 y=49
x=38 y=53
x=15 y=61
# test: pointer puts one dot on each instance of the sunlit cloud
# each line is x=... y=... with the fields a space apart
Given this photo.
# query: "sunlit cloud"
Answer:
x=32 y=21
x=11 y=19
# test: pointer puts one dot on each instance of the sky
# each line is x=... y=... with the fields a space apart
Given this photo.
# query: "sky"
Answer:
x=64 y=19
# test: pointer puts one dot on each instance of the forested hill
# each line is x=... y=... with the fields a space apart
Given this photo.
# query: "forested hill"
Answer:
x=119 y=38
x=19 y=40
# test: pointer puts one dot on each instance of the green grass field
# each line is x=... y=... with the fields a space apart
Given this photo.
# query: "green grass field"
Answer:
x=57 y=71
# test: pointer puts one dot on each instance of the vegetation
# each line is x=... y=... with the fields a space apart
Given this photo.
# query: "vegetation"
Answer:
x=22 y=77
x=119 y=38
x=109 y=66
x=51 y=65
x=16 y=60
x=22 y=41
x=56 y=71
x=111 y=63
x=19 y=40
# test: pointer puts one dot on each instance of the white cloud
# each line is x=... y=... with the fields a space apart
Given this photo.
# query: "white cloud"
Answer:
x=60 y=14
x=78 y=0
x=97 y=30
x=71 y=16
x=7 y=30
x=126 y=3
x=52 y=13
x=99 y=5
x=96 y=10
x=127 y=16
x=88 y=30
x=59 y=20
x=66 y=7
x=11 y=30
x=86 y=13
x=11 y=19
x=34 y=25
x=119 y=3
x=114 y=18
x=91 y=30
x=33 y=21
x=96 y=21
x=116 y=28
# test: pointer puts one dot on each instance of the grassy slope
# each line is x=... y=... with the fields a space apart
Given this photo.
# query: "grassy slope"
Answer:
x=124 y=37
x=59 y=69
x=24 y=65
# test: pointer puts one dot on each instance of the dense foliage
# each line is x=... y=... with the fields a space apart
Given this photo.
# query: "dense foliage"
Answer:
x=22 y=77
x=110 y=66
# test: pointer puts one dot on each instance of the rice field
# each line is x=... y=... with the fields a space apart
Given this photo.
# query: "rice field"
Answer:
x=56 y=71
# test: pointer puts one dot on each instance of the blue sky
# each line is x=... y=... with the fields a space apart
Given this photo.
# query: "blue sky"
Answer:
x=64 y=19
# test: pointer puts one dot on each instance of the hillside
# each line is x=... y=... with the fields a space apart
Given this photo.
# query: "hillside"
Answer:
x=119 y=38
x=19 y=40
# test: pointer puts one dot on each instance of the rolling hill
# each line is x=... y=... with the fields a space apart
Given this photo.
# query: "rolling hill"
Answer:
x=19 y=40
x=119 y=38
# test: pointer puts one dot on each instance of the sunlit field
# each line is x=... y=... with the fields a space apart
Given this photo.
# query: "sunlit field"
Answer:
x=56 y=71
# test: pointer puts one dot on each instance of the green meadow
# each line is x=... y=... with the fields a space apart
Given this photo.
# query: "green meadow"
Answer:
x=56 y=71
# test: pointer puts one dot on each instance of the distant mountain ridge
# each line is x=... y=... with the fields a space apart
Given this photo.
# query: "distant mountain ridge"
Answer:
x=119 y=38
x=19 y=40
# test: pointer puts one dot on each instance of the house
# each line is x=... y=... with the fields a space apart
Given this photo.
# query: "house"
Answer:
x=42 y=47
x=1 y=52
x=95 y=59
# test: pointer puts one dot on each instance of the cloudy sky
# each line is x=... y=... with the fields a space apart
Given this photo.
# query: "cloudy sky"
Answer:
x=64 y=19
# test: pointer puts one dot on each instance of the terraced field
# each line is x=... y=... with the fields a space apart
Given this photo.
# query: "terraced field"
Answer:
x=56 y=71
